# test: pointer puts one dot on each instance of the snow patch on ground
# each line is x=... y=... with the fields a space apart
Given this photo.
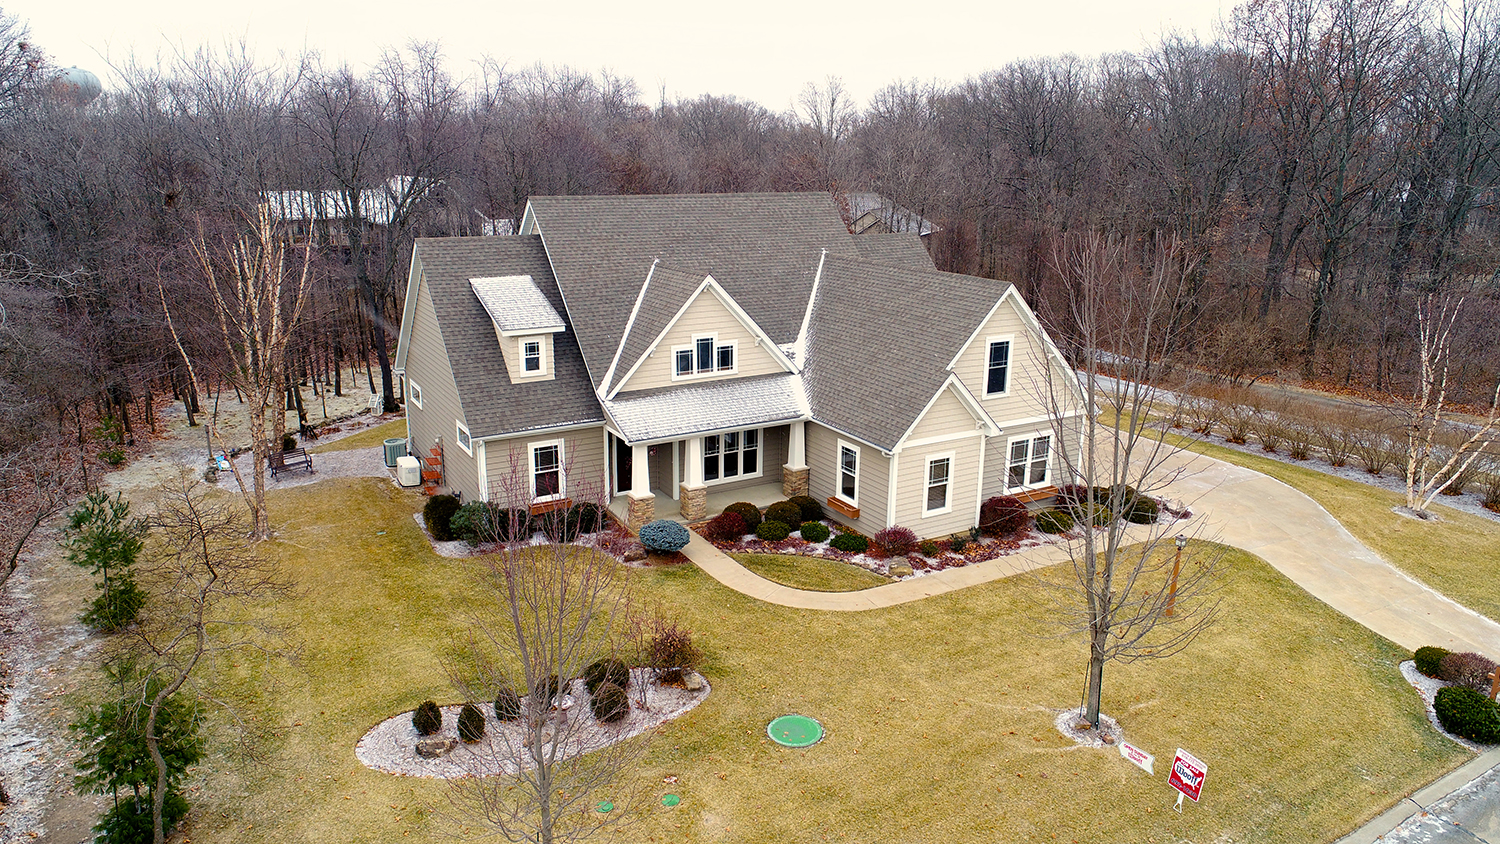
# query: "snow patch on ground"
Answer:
x=1428 y=689
x=1071 y=723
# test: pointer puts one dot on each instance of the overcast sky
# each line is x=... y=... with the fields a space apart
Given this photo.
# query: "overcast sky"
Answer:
x=764 y=51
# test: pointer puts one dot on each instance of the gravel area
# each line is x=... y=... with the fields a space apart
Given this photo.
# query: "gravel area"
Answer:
x=391 y=745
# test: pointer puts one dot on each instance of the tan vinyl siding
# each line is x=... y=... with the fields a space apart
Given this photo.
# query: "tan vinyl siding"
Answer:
x=911 y=488
x=706 y=315
x=1026 y=395
x=946 y=416
x=427 y=365
x=510 y=349
x=874 y=477
x=583 y=461
x=997 y=456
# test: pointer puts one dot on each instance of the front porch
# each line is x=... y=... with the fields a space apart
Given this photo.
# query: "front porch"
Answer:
x=665 y=507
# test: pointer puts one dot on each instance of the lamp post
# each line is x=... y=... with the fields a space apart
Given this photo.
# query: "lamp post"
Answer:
x=1494 y=678
x=1176 y=567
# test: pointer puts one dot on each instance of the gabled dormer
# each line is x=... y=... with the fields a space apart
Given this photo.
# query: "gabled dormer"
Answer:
x=525 y=324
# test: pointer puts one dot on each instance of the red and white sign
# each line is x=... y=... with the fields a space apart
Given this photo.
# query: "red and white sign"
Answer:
x=1138 y=757
x=1188 y=773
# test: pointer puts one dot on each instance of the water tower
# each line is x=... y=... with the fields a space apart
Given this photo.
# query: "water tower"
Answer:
x=76 y=85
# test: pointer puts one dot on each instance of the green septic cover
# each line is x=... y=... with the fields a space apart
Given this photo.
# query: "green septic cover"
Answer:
x=604 y=807
x=671 y=800
x=795 y=731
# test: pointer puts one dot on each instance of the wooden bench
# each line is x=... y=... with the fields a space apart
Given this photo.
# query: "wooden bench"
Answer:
x=289 y=461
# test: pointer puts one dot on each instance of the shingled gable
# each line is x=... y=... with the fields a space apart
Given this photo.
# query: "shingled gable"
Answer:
x=875 y=362
x=708 y=286
x=663 y=294
x=492 y=405
x=760 y=247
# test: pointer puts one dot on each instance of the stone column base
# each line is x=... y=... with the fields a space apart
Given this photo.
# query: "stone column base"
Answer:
x=694 y=501
x=793 y=481
x=641 y=511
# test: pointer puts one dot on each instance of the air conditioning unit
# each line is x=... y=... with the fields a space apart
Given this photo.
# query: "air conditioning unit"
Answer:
x=408 y=471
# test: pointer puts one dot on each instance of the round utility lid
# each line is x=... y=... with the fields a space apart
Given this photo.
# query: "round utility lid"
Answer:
x=795 y=731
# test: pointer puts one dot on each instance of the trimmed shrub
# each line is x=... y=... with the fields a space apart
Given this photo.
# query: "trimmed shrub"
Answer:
x=1429 y=659
x=609 y=703
x=428 y=719
x=437 y=513
x=1136 y=508
x=725 y=527
x=664 y=536
x=1003 y=515
x=1467 y=669
x=850 y=543
x=466 y=521
x=929 y=548
x=585 y=517
x=772 y=531
x=507 y=704
x=785 y=512
x=814 y=531
x=749 y=512
x=606 y=670
x=547 y=691
x=1054 y=521
x=896 y=541
x=1467 y=713
x=477 y=522
x=470 y=723
x=812 y=509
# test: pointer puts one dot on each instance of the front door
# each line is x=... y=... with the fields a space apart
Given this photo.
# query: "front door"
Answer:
x=624 y=456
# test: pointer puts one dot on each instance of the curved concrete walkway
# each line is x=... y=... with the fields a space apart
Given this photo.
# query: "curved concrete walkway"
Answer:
x=1233 y=505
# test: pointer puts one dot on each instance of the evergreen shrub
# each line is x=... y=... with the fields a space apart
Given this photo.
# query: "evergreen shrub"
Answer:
x=814 y=531
x=609 y=703
x=470 y=723
x=771 y=530
x=428 y=718
x=1467 y=713
x=850 y=543
x=507 y=704
x=749 y=512
x=1053 y=520
x=812 y=509
x=785 y=512
x=437 y=513
x=1429 y=660
x=664 y=536
x=606 y=670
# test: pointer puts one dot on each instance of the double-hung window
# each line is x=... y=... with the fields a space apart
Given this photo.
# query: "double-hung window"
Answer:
x=848 y=488
x=939 y=484
x=704 y=357
x=1029 y=459
x=546 y=470
x=733 y=454
x=531 y=357
x=997 y=368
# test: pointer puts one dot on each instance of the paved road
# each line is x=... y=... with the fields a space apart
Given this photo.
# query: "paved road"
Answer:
x=1461 y=808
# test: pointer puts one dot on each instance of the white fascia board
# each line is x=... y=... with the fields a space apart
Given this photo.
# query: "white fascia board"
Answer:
x=978 y=328
x=635 y=311
x=409 y=306
x=528 y=220
x=695 y=434
x=1033 y=420
x=571 y=426
x=800 y=346
x=1028 y=317
x=841 y=432
x=952 y=382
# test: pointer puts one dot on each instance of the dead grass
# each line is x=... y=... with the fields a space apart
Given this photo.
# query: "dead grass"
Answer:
x=938 y=714
x=1456 y=556
x=811 y=573
x=366 y=438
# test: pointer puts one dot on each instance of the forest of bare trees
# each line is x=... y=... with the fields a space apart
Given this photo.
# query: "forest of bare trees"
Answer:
x=1323 y=165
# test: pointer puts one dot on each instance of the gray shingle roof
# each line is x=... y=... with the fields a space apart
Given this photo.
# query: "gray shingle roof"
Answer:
x=680 y=411
x=874 y=360
x=491 y=404
x=515 y=303
x=885 y=214
x=902 y=249
x=762 y=247
x=666 y=292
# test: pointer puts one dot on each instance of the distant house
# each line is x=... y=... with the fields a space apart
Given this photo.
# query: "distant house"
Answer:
x=871 y=212
x=685 y=352
x=310 y=212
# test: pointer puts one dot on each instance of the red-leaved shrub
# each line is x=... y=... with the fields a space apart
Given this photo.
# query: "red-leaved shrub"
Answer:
x=1467 y=669
x=1003 y=515
x=725 y=527
x=896 y=541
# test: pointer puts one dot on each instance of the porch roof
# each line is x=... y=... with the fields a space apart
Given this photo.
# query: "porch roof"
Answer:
x=674 y=412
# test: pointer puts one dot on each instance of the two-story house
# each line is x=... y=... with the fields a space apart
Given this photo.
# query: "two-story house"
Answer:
x=683 y=352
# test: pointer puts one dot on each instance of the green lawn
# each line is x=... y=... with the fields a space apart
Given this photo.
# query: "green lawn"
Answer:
x=1457 y=556
x=811 y=573
x=938 y=713
x=366 y=438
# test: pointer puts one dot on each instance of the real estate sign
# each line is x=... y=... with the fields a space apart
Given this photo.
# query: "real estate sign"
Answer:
x=1188 y=773
x=1138 y=757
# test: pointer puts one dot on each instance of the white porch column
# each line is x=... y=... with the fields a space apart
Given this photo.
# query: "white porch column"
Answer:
x=796 y=450
x=640 y=472
x=693 y=498
x=694 y=463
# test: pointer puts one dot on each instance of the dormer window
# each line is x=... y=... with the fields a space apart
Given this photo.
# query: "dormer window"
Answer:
x=531 y=357
x=706 y=356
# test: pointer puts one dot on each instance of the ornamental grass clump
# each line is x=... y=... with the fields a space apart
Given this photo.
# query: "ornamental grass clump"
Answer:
x=771 y=530
x=896 y=541
x=470 y=723
x=747 y=511
x=427 y=719
x=813 y=531
x=664 y=536
x=671 y=652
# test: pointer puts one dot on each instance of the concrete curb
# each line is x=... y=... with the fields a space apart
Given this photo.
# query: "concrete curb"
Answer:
x=1416 y=804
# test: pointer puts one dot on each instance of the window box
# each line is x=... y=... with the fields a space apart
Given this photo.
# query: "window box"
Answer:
x=541 y=507
x=841 y=506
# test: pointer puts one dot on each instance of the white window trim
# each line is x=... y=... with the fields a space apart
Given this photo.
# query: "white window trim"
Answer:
x=460 y=434
x=838 y=472
x=562 y=476
x=1010 y=365
x=927 y=482
x=541 y=354
x=760 y=453
x=704 y=373
x=414 y=393
x=1029 y=439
